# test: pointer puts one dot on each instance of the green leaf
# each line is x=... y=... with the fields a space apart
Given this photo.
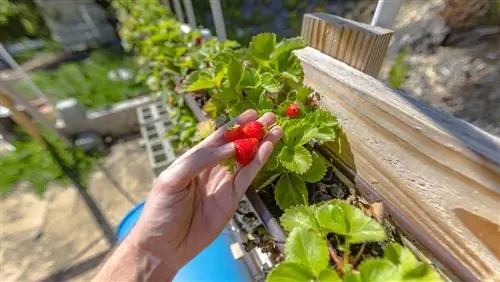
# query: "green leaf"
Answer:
x=227 y=95
x=328 y=275
x=323 y=126
x=290 y=272
x=251 y=78
x=296 y=159
x=341 y=218
x=299 y=216
x=409 y=267
x=401 y=256
x=288 y=44
x=265 y=102
x=272 y=162
x=308 y=248
x=303 y=93
x=422 y=273
x=262 y=45
x=290 y=191
x=294 y=132
x=264 y=178
x=220 y=72
x=399 y=70
x=198 y=80
x=378 y=270
x=317 y=170
x=235 y=72
x=270 y=83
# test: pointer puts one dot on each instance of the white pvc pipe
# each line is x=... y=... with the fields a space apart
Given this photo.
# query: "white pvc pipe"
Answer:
x=178 y=11
x=188 y=6
x=220 y=27
x=386 y=13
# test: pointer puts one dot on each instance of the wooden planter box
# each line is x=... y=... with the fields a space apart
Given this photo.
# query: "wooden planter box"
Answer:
x=437 y=176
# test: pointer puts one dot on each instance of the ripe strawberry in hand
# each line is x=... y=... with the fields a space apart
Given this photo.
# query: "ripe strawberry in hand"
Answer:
x=234 y=133
x=255 y=129
x=246 y=150
x=293 y=110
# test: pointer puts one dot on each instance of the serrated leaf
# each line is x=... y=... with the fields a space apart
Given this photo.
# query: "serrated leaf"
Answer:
x=290 y=272
x=235 y=73
x=341 y=218
x=298 y=216
x=410 y=268
x=262 y=45
x=220 y=73
x=317 y=170
x=328 y=275
x=296 y=159
x=270 y=83
x=251 y=78
x=323 y=127
x=198 y=80
x=288 y=44
x=401 y=256
x=290 y=191
x=308 y=248
x=378 y=270
x=272 y=162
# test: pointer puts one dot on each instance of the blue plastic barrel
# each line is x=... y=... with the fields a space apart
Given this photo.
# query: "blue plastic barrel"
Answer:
x=215 y=263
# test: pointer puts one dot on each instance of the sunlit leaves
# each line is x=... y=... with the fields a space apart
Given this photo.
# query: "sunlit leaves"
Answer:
x=290 y=272
x=296 y=159
x=299 y=216
x=317 y=170
x=306 y=247
x=341 y=218
x=262 y=45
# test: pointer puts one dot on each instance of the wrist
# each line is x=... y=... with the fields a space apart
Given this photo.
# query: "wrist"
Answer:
x=130 y=263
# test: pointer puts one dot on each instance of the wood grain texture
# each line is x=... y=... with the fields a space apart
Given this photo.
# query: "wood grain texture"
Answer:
x=359 y=45
x=425 y=163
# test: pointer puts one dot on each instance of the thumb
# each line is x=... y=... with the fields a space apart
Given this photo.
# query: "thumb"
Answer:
x=181 y=173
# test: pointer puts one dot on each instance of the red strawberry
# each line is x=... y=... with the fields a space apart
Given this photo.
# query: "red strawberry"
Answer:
x=234 y=133
x=255 y=129
x=246 y=150
x=199 y=40
x=293 y=110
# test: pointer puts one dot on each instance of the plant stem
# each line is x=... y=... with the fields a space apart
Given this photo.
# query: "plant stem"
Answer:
x=334 y=256
x=359 y=254
x=347 y=251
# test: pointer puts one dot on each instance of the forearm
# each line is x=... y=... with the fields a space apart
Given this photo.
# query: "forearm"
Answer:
x=129 y=263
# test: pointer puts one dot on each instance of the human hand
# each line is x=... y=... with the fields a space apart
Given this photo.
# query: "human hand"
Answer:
x=193 y=199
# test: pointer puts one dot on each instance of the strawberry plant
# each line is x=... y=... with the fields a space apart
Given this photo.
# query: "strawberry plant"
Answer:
x=267 y=76
x=310 y=255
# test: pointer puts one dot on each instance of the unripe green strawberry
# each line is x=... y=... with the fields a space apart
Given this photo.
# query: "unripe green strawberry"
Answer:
x=255 y=129
x=293 y=110
x=234 y=133
x=246 y=149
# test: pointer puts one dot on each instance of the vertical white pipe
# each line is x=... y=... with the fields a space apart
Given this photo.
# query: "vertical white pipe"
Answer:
x=13 y=64
x=386 y=13
x=178 y=11
x=220 y=28
x=188 y=6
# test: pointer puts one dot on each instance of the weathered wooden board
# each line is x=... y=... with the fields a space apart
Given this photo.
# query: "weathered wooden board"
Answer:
x=359 y=45
x=442 y=174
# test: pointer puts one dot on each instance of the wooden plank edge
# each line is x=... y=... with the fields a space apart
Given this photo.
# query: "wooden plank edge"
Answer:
x=474 y=165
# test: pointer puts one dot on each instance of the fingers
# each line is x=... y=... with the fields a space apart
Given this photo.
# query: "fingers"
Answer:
x=181 y=173
x=217 y=138
x=247 y=173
